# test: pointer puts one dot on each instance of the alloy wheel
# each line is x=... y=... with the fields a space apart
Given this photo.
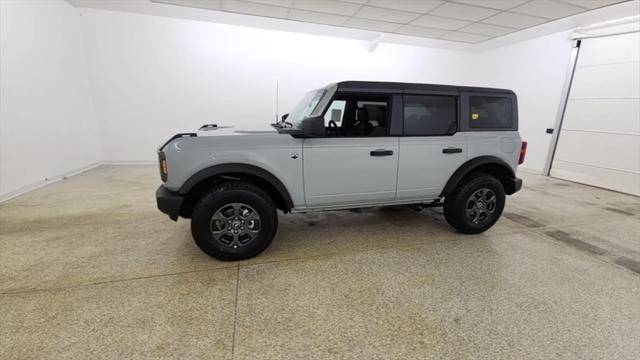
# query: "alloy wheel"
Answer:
x=235 y=224
x=481 y=205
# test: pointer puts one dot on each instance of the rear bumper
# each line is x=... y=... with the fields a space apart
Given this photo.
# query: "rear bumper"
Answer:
x=169 y=202
x=512 y=186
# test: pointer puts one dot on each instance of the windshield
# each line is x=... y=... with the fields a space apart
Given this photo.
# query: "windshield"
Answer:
x=305 y=107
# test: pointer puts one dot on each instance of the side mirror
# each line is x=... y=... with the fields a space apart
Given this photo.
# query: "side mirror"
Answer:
x=313 y=126
x=285 y=116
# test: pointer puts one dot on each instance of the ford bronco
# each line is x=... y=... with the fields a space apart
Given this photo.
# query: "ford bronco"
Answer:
x=348 y=145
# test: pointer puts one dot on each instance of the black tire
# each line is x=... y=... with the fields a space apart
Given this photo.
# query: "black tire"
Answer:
x=221 y=197
x=456 y=205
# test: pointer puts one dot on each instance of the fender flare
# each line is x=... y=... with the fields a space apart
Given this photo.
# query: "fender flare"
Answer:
x=238 y=168
x=469 y=166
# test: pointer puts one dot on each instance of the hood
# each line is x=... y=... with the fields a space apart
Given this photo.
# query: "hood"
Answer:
x=221 y=131
x=234 y=131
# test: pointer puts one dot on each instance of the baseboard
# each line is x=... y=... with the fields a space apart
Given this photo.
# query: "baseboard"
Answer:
x=47 y=181
x=53 y=179
x=130 y=162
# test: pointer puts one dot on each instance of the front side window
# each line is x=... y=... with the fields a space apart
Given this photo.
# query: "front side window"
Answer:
x=335 y=112
x=357 y=115
x=490 y=112
x=429 y=115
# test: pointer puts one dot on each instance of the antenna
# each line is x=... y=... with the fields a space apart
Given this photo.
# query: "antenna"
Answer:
x=276 y=100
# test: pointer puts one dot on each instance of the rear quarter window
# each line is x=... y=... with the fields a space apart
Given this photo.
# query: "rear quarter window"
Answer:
x=490 y=112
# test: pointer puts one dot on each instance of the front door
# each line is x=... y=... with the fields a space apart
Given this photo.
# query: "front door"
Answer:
x=356 y=162
x=341 y=171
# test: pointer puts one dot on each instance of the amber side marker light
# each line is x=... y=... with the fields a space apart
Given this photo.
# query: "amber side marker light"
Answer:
x=523 y=152
x=163 y=166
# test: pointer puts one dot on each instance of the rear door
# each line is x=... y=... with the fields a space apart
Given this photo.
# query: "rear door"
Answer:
x=357 y=161
x=431 y=148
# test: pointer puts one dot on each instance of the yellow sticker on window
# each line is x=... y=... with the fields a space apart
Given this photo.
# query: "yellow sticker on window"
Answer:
x=475 y=116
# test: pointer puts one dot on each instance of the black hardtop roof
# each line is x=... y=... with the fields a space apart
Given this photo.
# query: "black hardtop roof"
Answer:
x=397 y=87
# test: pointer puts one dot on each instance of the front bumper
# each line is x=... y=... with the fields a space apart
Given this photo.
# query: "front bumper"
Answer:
x=169 y=202
x=512 y=186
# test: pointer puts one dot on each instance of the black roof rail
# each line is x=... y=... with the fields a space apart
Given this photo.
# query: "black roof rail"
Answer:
x=399 y=87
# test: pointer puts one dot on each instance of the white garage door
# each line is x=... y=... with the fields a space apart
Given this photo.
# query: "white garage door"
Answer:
x=599 y=143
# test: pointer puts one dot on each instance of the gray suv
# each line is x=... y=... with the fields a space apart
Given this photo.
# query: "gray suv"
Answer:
x=348 y=145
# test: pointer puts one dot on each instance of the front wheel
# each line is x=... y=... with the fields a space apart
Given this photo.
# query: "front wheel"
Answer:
x=234 y=221
x=476 y=204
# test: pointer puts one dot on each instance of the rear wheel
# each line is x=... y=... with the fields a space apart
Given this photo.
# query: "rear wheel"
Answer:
x=476 y=204
x=234 y=221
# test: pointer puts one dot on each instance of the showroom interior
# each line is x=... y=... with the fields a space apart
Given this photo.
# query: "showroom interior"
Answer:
x=90 y=90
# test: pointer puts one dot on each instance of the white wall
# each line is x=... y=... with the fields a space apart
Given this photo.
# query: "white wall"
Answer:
x=47 y=123
x=536 y=70
x=156 y=76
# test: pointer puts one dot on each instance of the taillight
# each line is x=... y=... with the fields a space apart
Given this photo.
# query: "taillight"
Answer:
x=523 y=152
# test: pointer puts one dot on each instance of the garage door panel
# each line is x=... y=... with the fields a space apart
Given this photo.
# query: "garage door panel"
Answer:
x=621 y=48
x=622 y=151
x=601 y=177
x=603 y=115
x=599 y=141
x=606 y=81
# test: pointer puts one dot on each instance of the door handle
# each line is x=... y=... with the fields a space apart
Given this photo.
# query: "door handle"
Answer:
x=381 y=152
x=451 y=150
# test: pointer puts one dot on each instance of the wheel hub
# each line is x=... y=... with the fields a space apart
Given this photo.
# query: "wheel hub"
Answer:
x=480 y=205
x=235 y=224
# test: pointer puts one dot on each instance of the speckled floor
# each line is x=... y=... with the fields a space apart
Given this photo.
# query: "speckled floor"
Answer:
x=90 y=269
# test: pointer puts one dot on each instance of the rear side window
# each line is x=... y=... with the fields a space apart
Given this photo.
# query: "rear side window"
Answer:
x=429 y=115
x=490 y=112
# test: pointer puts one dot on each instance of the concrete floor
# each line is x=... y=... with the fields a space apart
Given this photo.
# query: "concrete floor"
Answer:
x=90 y=269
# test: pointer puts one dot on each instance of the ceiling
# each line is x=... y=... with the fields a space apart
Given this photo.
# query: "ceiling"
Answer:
x=466 y=21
